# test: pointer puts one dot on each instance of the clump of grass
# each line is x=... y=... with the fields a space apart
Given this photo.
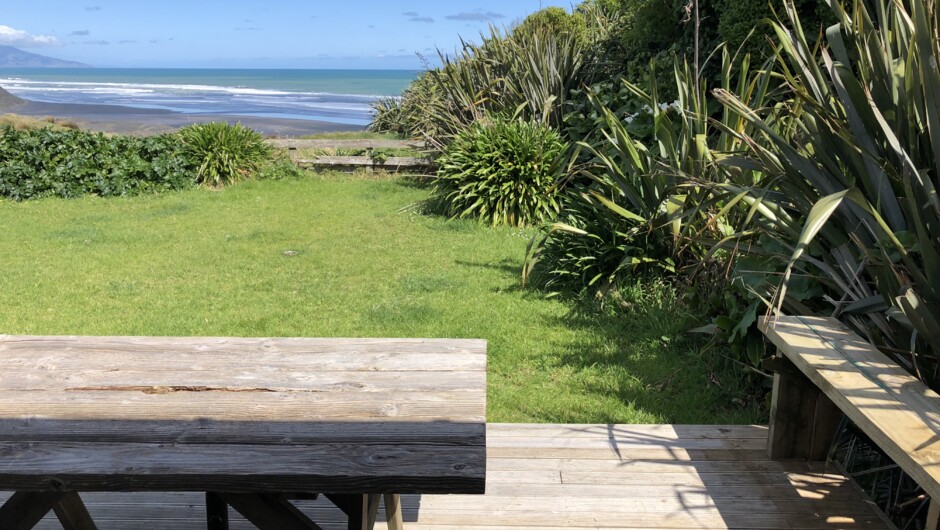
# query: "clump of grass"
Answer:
x=224 y=153
x=30 y=123
x=500 y=171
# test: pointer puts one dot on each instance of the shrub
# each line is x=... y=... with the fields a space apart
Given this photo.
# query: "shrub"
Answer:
x=224 y=153
x=853 y=199
x=500 y=171
x=408 y=115
x=67 y=163
x=555 y=20
x=529 y=76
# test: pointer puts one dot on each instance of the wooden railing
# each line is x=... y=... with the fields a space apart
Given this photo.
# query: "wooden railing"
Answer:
x=371 y=161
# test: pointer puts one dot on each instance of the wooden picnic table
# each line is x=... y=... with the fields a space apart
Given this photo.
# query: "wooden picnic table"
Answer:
x=252 y=422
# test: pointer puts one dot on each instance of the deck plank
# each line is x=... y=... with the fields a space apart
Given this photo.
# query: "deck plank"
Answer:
x=615 y=489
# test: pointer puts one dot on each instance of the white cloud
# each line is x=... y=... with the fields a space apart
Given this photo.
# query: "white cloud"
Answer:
x=18 y=37
x=476 y=16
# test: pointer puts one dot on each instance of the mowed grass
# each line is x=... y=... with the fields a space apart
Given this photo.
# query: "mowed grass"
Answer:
x=335 y=256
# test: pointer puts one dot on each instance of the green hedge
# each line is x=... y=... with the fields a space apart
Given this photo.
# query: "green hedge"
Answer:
x=67 y=163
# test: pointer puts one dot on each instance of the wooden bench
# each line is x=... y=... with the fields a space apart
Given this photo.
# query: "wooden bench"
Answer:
x=825 y=370
x=366 y=143
x=253 y=423
x=353 y=163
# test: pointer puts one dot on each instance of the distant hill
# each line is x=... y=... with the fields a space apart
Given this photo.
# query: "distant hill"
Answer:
x=8 y=100
x=11 y=57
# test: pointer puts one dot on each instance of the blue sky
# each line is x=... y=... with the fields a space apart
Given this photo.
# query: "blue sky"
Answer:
x=252 y=34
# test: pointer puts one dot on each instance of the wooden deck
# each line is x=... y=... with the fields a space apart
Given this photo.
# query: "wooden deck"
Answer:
x=583 y=477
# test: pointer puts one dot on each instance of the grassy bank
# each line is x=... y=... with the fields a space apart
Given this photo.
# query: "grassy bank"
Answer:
x=334 y=256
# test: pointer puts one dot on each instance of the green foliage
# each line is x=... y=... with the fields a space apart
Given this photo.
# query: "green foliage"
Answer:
x=746 y=23
x=224 y=153
x=529 y=76
x=280 y=167
x=853 y=200
x=67 y=163
x=109 y=267
x=640 y=204
x=501 y=172
x=554 y=20
x=408 y=115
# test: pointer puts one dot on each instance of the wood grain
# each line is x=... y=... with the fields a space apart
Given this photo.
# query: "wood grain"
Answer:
x=242 y=414
x=898 y=412
x=72 y=513
x=803 y=420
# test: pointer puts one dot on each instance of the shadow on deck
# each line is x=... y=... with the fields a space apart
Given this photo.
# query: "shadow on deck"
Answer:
x=586 y=477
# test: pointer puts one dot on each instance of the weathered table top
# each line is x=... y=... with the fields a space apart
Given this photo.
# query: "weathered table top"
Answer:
x=224 y=414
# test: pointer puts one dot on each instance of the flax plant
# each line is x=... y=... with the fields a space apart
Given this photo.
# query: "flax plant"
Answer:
x=851 y=186
x=529 y=77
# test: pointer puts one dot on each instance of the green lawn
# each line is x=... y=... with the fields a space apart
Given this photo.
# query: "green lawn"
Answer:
x=335 y=256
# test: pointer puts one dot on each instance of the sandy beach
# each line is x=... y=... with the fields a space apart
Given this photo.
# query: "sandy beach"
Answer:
x=136 y=121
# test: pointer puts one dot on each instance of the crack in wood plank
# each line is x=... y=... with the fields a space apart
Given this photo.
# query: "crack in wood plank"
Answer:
x=160 y=390
x=171 y=389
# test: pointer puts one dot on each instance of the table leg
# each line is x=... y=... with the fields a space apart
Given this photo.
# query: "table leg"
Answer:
x=360 y=509
x=393 y=512
x=269 y=511
x=216 y=512
x=72 y=513
x=24 y=509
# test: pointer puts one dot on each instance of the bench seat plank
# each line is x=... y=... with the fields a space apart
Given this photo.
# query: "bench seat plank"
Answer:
x=896 y=410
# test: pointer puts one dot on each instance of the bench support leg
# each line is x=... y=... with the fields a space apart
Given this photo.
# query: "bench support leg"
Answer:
x=393 y=512
x=73 y=514
x=803 y=420
x=24 y=510
x=933 y=515
x=216 y=512
x=269 y=512
x=362 y=510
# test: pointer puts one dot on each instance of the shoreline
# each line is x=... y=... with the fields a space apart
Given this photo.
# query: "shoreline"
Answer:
x=117 y=119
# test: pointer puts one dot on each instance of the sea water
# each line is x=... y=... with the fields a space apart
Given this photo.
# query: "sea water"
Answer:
x=337 y=96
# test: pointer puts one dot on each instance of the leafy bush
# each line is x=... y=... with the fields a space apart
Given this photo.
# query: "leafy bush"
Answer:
x=500 y=171
x=638 y=201
x=67 y=163
x=280 y=167
x=224 y=153
x=555 y=20
x=408 y=115
x=529 y=76
x=743 y=22
x=853 y=201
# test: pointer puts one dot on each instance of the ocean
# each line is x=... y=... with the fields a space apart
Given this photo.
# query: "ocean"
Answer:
x=336 y=96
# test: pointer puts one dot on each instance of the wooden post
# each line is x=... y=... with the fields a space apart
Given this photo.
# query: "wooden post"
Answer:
x=933 y=515
x=24 y=510
x=269 y=511
x=393 y=512
x=803 y=420
x=216 y=512
x=72 y=513
x=362 y=511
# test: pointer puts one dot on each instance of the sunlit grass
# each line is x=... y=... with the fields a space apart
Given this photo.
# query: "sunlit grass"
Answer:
x=336 y=256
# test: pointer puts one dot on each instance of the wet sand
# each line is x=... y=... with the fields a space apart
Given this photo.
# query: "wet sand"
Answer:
x=141 y=122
